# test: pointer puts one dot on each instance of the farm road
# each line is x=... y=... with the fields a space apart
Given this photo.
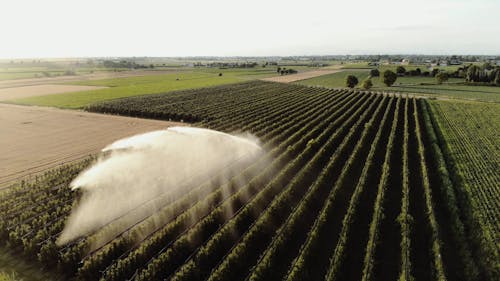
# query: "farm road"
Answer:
x=301 y=75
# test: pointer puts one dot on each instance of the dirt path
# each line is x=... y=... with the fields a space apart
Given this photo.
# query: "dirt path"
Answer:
x=41 y=90
x=301 y=75
x=93 y=76
x=34 y=139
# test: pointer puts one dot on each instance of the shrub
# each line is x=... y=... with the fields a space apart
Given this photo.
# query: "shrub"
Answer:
x=367 y=84
x=442 y=77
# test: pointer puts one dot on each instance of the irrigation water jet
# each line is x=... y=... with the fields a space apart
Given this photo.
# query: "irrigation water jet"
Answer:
x=134 y=177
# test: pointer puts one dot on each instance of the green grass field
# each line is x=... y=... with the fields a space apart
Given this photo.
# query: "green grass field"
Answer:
x=453 y=91
x=141 y=85
x=334 y=80
x=420 y=85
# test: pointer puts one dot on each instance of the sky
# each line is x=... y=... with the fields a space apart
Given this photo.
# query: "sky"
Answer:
x=155 y=28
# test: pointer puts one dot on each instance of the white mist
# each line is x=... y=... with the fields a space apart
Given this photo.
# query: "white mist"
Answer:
x=134 y=171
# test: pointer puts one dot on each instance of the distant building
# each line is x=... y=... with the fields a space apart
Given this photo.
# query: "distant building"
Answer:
x=405 y=62
x=384 y=62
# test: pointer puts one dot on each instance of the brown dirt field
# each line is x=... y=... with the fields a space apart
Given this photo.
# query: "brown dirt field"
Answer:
x=41 y=90
x=301 y=75
x=34 y=139
x=94 y=76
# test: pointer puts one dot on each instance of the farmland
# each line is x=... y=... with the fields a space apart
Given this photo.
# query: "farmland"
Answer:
x=41 y=90
x=140 y=85
x=471 y=133
x=301 y=76
x=425 y=86
x=354 y=185
x=35 y=139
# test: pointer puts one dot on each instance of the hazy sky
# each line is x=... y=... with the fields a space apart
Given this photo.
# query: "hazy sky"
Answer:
x=75 y=28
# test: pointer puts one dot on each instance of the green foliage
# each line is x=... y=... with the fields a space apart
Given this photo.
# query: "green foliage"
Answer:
x=442 y=77
x=369 y=262
x=389 y=78
x=466 y=132
x=430 y=210
x=448 y=193
x=351 y=81
x=374 y=133
x=374 y=73
x=8 y=277
x=367 y=84
x=400 y=70
x=405 y=219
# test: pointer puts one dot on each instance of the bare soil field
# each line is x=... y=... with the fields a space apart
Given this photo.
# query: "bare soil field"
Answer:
x=93 y=76
x=301 y=75
x=34 y=139
x=41 y=90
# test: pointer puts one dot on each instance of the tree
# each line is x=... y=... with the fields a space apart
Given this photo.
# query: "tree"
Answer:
x=367 y=84
x=220 y=74
x=487 y=66
x=400 y=70
x=472 y=74
x=497 y=79
x=389 y=77
x=278 y=70
x=434 y=72
x=351 y=81
x=442 y=77
x=374 y=73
